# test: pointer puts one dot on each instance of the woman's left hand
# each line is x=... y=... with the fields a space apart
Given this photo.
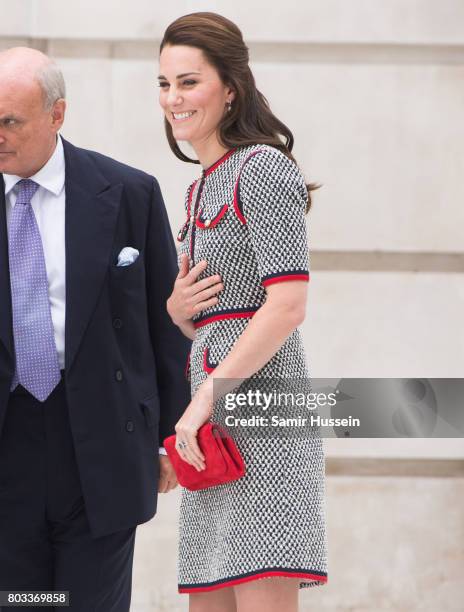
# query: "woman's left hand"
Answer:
x=197 y=412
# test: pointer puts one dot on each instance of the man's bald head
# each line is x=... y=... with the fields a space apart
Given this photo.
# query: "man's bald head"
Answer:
x=32 y=109
x=24 y=66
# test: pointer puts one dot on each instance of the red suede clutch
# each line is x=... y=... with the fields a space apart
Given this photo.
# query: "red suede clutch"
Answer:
x=222 y=458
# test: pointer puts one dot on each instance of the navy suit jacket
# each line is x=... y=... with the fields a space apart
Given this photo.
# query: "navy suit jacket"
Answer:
x=124 y=358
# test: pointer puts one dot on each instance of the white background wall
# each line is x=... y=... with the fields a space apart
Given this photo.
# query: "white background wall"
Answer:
x=374 y=93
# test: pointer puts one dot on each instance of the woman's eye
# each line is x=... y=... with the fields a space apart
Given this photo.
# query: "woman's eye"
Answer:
x=162 y=84
x=189 y=82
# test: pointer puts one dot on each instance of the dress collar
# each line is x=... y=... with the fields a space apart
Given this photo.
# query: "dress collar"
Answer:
x=220 y=161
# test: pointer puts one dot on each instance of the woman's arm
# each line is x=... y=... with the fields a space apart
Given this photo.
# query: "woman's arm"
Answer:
x=283 y=311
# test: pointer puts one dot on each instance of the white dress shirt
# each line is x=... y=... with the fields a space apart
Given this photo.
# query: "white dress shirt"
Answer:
x=48 y=204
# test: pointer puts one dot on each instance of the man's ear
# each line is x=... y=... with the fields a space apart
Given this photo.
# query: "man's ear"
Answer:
x=58 y=113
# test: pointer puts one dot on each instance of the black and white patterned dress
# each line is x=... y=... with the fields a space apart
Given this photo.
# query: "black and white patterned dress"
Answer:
x=245 y=216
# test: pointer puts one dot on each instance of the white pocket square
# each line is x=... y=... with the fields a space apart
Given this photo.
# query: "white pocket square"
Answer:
x=127 y=256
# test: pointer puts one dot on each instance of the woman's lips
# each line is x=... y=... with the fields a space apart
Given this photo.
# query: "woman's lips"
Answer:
x=185 y=116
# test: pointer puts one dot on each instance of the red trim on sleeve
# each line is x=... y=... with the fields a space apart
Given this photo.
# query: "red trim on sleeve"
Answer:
x=283 y=278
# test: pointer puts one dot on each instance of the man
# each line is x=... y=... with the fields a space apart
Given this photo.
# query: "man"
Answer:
x=91 y=366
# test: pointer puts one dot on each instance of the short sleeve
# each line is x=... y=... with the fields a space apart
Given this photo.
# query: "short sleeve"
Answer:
x=272 y=196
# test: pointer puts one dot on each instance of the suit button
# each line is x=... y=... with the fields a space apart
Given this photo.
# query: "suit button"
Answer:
x=207 y=222
x=118 y=375
x=117 y=323
x=129 y=426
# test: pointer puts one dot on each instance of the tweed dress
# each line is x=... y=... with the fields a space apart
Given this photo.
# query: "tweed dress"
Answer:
x=245 y=216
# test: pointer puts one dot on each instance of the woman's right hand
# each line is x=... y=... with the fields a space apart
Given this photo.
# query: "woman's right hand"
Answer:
x=190 y=296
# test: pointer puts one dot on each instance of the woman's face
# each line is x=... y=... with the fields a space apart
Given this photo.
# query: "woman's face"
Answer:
x=192 y=95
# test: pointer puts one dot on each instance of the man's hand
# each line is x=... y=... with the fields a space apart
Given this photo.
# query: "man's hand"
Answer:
x=167 y=475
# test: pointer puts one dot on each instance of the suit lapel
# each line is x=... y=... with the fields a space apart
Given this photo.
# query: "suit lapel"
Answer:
x=6 y=337
x=92 y=206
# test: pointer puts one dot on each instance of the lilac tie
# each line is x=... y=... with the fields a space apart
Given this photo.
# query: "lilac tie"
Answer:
x=37 y=367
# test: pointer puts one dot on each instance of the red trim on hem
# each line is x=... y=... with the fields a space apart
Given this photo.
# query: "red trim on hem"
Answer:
x=220 y=161
x=287 y=277
x=229 y=583
x=214 y=221
x=232 y=315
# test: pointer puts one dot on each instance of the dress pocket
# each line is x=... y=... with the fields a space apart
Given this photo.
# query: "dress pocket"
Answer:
x=208 y=366
x=205 y=221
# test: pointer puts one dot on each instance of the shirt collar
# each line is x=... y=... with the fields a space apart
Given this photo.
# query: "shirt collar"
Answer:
x=50 y=177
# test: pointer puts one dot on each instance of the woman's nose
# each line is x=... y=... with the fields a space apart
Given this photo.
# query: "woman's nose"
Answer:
x=173 y=97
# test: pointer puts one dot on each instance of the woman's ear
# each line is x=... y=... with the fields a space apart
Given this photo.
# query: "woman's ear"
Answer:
x=230 y=95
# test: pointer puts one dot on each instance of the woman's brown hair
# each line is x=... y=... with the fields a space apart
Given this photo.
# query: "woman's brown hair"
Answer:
x=250 y=120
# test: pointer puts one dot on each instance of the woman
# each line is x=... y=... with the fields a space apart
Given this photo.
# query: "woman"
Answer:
x=240 y=295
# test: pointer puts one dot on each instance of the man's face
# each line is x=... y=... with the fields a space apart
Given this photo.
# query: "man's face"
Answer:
x=27 y=130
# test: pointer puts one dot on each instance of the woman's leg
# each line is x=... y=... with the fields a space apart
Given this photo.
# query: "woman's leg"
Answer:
x=222 y=600
x=268 y=595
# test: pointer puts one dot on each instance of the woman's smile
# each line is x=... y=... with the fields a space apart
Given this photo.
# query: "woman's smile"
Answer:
x=182 y=116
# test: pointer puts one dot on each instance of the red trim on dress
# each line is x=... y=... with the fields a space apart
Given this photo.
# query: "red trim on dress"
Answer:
x=184 y=229
x=187 y=367
x=221 y=317
x=182 y=232
x=213 y=222
x=237 y=210
x=206 y=366
x=220 y=161
x=286 y=277
x=235 y=581
x=189 y=200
